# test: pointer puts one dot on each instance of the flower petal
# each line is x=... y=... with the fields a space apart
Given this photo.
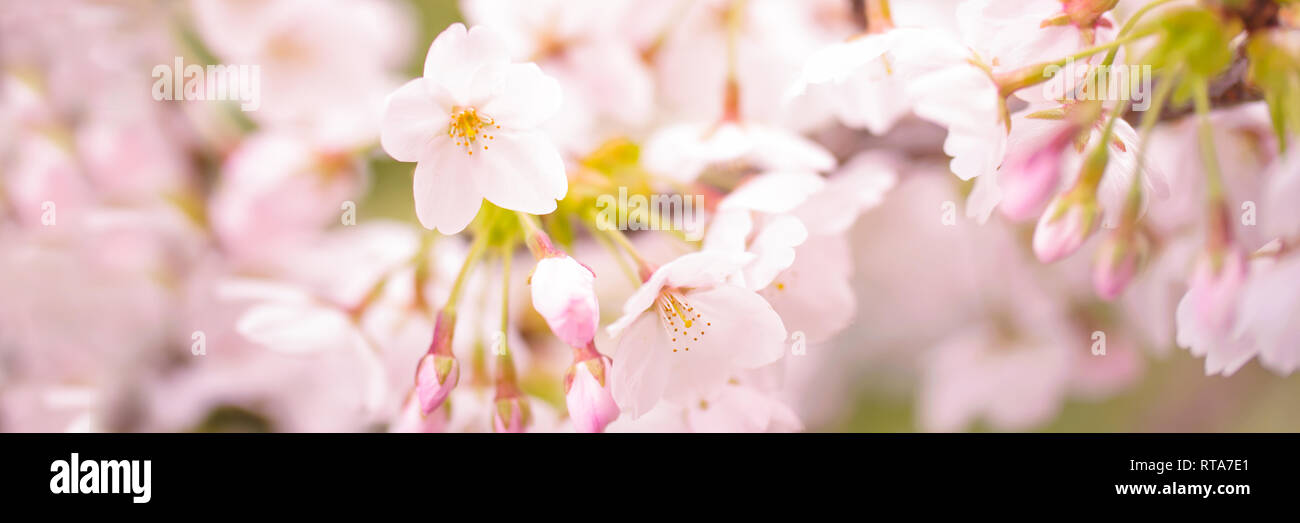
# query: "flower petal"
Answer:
x=518 y=96
x=740 y=325
x=456 y=54
x=774 y=250
x=444 y=199
x=295 y=328
x=522 y=171
x=703 y=268
x=411 y=121
x=640 y=371
x=814 y=295
x=774 y=192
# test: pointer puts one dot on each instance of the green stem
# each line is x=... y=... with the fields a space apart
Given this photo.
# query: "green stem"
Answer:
x=1032 y=75
x=476 y=250
x=1130 y=24
x=614 y=252
x=506 y=363
x=1209 y=155
x=537 y=240
x=612 y=232
x=1218 y=232
x=1149 y=121
x=1097 y=159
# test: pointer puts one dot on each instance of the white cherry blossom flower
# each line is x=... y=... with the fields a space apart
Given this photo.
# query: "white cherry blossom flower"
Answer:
x=471 y=123
x=685 y=331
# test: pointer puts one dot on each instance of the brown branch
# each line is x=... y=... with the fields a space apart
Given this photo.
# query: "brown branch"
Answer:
x=1229 y=89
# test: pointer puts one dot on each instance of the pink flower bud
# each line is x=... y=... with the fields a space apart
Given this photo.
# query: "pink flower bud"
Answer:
x=1028 y=180
x=591 y=405
x=412 y=419
x=510 y=414
x=563 y=295
x=1116 y=263
x=1063 y=228
x=434 y=378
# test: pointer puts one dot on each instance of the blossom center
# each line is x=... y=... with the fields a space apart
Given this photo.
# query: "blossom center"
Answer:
x=470 y=129
x=681 y=321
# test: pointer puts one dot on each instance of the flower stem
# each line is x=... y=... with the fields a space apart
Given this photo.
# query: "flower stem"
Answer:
x=1095 y=164
x=1213 y=178
x=476 y=250
x=1130 y=24
x=615 y=253
x=1035 y=74
x=1218 y=234
x=505 y=364
x=539 y=243
x=621 y=240
x=1149 y=120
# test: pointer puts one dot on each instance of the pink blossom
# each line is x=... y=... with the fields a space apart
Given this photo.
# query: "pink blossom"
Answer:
x=1063 y=228
x=685 y=330
x=1031 y=175
x=435 y=376
x=510 y=415
x=1207 y=314
x=1268 y=314
x=471 y=124
x=1116 y=263
x=563 y=295
x=587 y=394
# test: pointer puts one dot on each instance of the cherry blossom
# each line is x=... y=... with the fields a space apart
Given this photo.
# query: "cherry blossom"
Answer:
x=562 y=293
x=686 y=330
x=474 y=115
x=892 y=208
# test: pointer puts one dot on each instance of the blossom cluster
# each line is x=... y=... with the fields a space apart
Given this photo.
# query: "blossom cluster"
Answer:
x=413 y=230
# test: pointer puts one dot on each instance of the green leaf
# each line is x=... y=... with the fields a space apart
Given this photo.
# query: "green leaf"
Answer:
x=1275 y=71
x=1195 y=39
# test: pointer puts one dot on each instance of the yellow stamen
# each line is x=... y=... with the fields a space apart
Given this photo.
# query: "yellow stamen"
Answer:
x=467 y=127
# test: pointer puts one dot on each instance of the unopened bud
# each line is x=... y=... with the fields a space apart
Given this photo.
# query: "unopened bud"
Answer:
x=1064 y=227
x=587 y=394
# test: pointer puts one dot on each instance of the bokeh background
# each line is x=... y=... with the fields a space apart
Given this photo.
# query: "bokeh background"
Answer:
x=917 y=283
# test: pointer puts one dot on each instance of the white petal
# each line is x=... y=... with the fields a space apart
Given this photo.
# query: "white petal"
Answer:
x=456 y=54
x=774 y=250
x=639 y=301
x=519 y=96
x=445 y=198
x=522 y=171
x=775 y=148
x=975 y=111
x=697 y=269
x=729 y=230
x=640 y=371
x=735 y=408
x=837 y=62
x=860 y=185
x=813 y=296
x=744 y=327
x=984 y=197
x=703 y=268
x=296 y=329
x=774 y=192
x=975 y=153
x=411 y=121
